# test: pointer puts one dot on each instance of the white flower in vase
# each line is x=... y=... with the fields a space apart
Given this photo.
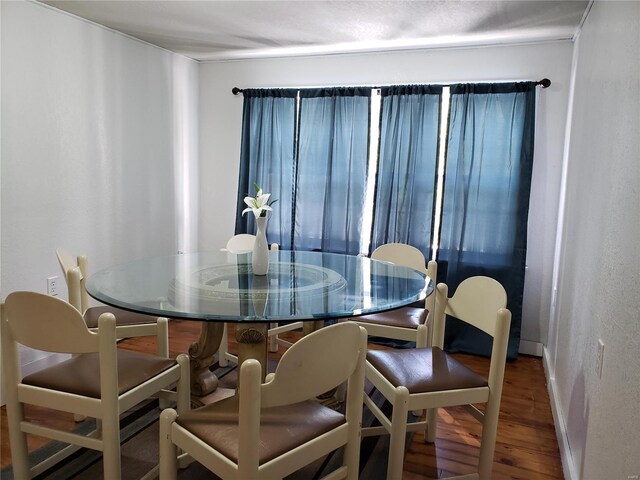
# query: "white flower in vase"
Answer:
x=259 y=205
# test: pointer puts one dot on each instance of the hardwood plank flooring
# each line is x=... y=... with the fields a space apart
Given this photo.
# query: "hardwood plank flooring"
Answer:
x=526 y=446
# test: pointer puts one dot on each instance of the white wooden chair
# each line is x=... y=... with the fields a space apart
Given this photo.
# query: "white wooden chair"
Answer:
x=238 y=244
x=407 y=323
x=429 y=378
x=241 y=243
x=128 y=324
x=99 y=380
x=273 y=429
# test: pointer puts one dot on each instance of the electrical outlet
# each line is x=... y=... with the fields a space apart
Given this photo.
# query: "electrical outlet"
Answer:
x=52 y=286
x=600 y=357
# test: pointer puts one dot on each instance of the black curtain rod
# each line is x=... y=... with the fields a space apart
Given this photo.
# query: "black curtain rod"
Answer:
x=544 y=83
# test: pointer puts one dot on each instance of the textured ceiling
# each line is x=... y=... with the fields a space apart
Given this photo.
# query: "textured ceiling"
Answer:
x=212 y=30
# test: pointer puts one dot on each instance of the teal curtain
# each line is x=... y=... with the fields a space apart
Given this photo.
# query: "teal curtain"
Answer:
x=267 y=158
x=406 y=174
x=331 y=172
x=486 y=198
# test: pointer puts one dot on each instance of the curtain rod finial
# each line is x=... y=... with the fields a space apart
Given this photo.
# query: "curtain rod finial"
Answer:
x=544 y=83
x=236 y=90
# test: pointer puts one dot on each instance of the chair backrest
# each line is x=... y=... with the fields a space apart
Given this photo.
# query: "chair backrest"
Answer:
x=46 y=323
x=315 y=364
x=241 y=243
x=75 y=280
x=477 y=301
x=411 y=257
x=401 y=254
x=481 y=302
x=66 y=260
x=312 y=366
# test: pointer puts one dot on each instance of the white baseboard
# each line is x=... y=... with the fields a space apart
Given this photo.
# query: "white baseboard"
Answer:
x=568 y=465
x=528 y=347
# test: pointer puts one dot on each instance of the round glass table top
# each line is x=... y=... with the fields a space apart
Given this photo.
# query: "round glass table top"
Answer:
x=220 y=286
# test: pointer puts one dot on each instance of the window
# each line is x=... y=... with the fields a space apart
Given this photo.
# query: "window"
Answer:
x=444 y=168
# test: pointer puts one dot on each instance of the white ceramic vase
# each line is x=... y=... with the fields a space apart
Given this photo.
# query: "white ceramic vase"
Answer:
x=260 y=257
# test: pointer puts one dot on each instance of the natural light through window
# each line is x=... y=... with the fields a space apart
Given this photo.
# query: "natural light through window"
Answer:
x=366 y=284
x=442 y=153
x=374 y=142
x=374 y=137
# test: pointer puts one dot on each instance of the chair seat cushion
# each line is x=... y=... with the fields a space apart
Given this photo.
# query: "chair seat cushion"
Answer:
x=81 y=374
x=123 y=317
x=423 y=370
x=407 y=317
x=281 y=428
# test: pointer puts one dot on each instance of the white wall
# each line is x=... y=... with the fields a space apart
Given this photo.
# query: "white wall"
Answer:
x=99 y=146
x=221 y=116
x=599 y=268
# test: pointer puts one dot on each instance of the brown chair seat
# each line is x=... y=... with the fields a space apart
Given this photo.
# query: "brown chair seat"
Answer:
x=424 y=370
x=281 y=428
x=80 y=374
x=407 y=317
x=123 y=317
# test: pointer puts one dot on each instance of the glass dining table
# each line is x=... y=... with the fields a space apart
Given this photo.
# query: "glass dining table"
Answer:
x=218 y=287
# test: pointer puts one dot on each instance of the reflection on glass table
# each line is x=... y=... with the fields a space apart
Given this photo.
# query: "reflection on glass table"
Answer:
x=217 y=287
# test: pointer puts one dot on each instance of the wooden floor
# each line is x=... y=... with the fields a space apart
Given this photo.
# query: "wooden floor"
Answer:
x=526 y=446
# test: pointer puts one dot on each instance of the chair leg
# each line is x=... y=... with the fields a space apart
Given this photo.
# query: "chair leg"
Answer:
x=111 y=447
x=432 y=425
x=18 y=441
x=168 y=451
x=398 y=433
x=488 y=440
